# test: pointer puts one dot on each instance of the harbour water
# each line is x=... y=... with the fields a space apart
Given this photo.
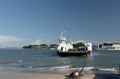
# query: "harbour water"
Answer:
x=49 y=61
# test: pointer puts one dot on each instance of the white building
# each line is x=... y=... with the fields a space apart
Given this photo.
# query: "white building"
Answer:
x=111 y=46
x=89 y=46
x=116 y=46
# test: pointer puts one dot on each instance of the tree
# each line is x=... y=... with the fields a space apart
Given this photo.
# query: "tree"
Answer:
x=53 y=45
x=27 y=47
x=77 y=45
x=43 y=46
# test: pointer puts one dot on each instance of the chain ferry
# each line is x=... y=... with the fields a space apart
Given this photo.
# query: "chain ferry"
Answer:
x=67 y=49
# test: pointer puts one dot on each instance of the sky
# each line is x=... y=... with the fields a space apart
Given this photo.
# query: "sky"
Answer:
x=24 y=22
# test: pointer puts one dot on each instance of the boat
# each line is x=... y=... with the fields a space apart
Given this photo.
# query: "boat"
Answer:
x=67 y=49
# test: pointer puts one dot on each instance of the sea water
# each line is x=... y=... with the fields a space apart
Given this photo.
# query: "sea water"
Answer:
x=48 y=61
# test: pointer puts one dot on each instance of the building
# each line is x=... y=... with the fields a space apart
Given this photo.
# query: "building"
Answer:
x=110 y=46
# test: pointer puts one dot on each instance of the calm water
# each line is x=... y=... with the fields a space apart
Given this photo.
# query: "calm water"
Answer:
x=44 y=60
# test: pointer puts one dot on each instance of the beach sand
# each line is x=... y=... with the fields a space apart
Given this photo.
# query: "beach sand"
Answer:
x=4 y=74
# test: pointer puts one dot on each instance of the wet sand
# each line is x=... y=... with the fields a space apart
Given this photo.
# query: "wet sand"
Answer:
x=4 y=74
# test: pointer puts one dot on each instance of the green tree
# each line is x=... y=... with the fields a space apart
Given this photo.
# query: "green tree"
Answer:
x=77 y=45
x=53 y=45
x=43 y=46
x=27 y=47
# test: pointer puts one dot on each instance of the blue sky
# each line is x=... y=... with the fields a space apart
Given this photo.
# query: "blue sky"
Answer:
x=24 y=22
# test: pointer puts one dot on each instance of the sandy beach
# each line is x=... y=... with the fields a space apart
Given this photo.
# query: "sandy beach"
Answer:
x=4 y=74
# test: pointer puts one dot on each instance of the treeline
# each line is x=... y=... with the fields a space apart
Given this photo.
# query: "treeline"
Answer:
x=77 y=45
x=51 y=46
x=41 y=46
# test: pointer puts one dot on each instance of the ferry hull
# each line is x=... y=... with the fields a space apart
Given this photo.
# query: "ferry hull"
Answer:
x=73 y=53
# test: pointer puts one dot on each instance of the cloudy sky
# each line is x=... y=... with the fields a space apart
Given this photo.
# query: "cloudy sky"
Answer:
x=24 y=22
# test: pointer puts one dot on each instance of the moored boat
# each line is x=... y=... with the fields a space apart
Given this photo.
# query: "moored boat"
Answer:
x=67 y=49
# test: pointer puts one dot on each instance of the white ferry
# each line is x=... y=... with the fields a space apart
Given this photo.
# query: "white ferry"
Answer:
x=66 y=49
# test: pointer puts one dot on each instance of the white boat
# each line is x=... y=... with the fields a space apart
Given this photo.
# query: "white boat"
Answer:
x=66 y=49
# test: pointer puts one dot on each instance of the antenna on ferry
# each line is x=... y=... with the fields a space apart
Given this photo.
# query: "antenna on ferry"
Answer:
x=62 y=38
x=62 y=34
x=71 y=41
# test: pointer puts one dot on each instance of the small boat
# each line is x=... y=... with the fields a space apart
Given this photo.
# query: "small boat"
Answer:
x=66 y=49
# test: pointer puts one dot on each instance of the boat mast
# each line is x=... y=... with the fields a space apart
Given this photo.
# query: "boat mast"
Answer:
x=62 y=38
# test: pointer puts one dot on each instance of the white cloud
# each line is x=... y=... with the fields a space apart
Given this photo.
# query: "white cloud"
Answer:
x=79 y=41
x=37 y=42
x=6 y=40
x=84 y=41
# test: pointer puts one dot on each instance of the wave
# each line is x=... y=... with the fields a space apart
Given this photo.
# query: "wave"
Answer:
x=11 y=62
x=106 y=69
x=95 y=54
x=63 y=68
x=69 y=68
